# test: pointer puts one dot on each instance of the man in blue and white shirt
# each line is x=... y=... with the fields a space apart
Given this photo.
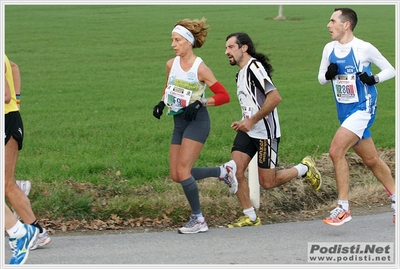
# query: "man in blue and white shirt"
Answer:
x=346 y=63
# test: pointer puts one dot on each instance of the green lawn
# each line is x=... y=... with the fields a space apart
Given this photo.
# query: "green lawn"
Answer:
x=91 y=75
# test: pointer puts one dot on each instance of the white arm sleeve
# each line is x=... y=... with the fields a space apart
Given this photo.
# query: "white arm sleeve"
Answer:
x=365 y=54
x=323 y=67
x=374 y=56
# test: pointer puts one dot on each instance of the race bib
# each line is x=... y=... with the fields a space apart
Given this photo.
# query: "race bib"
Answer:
x=247 y=112
x=345 y=89
x=176 y=98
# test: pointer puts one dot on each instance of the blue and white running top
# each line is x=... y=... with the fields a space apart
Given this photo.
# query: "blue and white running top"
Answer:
x=350 y=93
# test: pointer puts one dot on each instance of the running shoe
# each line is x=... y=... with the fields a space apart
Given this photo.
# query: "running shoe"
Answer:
x=194 y=226
x=338 y=216
x=42 y=240
x=25 y=186
x=20 y=246
x=313 y=176
x=230 y=177
x=394 y=212
x=245 y=221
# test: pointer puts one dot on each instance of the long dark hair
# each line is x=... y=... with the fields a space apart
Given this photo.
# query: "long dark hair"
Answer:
x=244 y=39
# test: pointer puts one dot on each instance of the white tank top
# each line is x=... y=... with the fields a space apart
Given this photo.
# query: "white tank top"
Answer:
x=187 y=80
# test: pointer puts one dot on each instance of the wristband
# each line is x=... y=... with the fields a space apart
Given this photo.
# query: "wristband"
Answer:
x=18 y=97
x=204 y=101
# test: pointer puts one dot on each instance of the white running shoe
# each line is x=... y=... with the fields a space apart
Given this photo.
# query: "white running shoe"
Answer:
x=25 y=186
x=42 y=240
x=230 y=177
x=194 y=226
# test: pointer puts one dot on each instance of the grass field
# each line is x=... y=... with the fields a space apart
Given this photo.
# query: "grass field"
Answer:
x=91 y=75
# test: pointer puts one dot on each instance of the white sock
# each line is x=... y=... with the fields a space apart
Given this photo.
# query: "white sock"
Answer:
x=251 y=213
x=302 y=169
x=344 y=204
x=199 y=217
x=18 y=230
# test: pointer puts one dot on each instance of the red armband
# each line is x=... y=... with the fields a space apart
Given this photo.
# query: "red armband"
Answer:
x=221 y=94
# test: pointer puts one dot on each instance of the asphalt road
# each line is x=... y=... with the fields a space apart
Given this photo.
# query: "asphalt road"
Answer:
x=265 y=246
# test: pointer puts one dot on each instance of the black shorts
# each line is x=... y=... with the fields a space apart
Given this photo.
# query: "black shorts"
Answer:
x=14 y=127
x=267 y=149
x=197 y=130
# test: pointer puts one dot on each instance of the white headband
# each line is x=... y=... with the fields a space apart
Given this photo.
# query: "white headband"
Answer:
x=184 y=32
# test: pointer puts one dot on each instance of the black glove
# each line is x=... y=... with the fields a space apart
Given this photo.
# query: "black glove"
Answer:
x=364 y=78
x=191 y=111
x=332 y=71
x=158 y=109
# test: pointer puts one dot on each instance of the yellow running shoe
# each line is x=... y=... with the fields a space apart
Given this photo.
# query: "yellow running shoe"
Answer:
x=313 y=176
x=245 y=221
